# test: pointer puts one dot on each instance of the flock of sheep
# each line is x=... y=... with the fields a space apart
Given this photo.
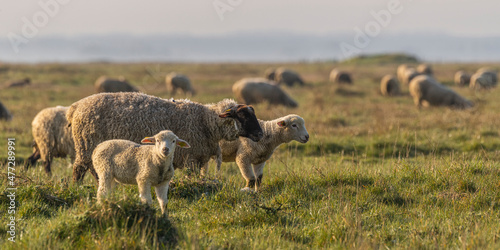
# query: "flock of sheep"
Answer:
x=122 y=135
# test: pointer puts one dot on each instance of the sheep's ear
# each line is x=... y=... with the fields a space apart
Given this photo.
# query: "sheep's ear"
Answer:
x=227 y=113
x=182 y=143
x=282 y=123
x=148 y=140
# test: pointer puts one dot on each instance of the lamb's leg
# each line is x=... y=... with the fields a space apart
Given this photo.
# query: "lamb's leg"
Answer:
x=259 y=172
x=247 y=171
x=162 y=196
x=145 y=192
x=105 y=187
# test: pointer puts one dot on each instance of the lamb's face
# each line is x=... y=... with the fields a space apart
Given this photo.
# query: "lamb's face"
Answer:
x=295 y=128
x=165 y=143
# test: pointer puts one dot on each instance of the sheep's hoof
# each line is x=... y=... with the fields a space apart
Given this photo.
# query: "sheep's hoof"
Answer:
x=247 y=189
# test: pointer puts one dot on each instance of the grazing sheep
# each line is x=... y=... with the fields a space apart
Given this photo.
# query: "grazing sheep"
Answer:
x=127 y=162
x=400 y=72
x=409 y=74
x=483 y=79
x=462 y=78
x=247 y=153
x=287 y=77
x=389 y=86
x=425 y=90
x=105 y=84
x=52 y=137
x=21 y=83
x=270 y=74
x=425 y=69
x=176 y=81
x=4 y=113
x=256 y=90
x=132 y=116
x=340 y=77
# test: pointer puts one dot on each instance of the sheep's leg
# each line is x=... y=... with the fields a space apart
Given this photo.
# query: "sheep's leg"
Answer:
x=31 y=161
x=46 y=167
x=145 y=192
x=162 y=196
x=258 y=169
x=247 y=171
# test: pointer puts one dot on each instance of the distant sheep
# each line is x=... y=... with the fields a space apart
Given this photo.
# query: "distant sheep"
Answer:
x=20 y=83
x=389 y=86
x=484 y=79
x=256 y=90
x=270 y=74
x=409 y=74
x=176 y=81
x=425 y=90
x=105 y=84
x=462 y=78
x=425 y=69
x=52 y=137
x=288 y=77
x=4 y=113
x=132 y=116
x=251 y=156
x=340 y=77
x=127 y=162
x=401 y=71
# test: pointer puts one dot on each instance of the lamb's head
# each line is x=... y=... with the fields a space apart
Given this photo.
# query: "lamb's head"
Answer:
x=245 y=122
x=165 y=143
x=294 y=128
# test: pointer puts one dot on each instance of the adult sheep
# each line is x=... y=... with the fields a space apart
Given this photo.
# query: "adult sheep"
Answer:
x=389 y=86
x=106 y=84
x=288 y=77
x=133 y=116
x=176 y=81
x=425 y=69
x=484 y=79
x=425 y=90
x=251 y=156
x=52 y=137
x=340 y=77
x=5 y=113
x=409 y=75
x=462 y=78
x=256 y=90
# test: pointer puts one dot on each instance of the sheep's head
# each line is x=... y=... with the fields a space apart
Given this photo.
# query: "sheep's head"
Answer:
x=245 y=121
x=165 y=143
x=294 y=128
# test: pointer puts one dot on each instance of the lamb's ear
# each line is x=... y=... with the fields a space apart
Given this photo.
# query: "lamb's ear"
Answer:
x=182 y=143
x=282 y=123
x=227 y=113
x=148 y=140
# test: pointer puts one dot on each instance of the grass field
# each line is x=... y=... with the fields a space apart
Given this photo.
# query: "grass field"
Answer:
x=376 y=173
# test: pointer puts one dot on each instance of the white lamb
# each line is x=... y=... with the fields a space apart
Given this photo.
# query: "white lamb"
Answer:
x=247 y=152
x=144 y=165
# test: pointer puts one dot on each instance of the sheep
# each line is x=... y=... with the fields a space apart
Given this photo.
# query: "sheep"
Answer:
x=52 y=137
x=247 y=153
x=176 y=81
x=127 y=162
x=105 y=84
x=256 y=90
x=132 y=116
x=340 y=77
x=389 y=86
x=425 y=90
x=483 y=79
x=288 y=77
x=270 y=74
x=5 y=113
x=400 y=72
x=20 y=83
x=425 y=69
x=462 y=78
x=409 y=74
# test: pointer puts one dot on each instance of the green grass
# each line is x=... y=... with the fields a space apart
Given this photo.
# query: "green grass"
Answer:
x=376 y=173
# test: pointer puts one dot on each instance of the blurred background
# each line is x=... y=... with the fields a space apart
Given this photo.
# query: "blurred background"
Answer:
x=247 y=31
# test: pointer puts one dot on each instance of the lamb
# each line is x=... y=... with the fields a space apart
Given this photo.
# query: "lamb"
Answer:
x=288 y=77
x=176 y=81
x=5 y=113
x=389 y=86
x=105 y=84
x=425 y=90
x=483 y=79
x=247 y=153
x=256 y=90
x=52 y=137
x=340 y=77
x=132 y=116
x=462 y=78
x=127 y=162
x=425 y=69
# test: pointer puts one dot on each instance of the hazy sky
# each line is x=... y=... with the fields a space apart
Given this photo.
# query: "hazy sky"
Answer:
x=76 y=17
